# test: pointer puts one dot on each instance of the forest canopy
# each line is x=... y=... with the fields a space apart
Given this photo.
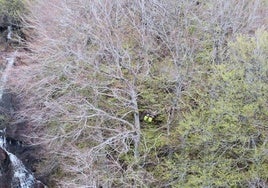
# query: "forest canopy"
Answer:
x=156 y=93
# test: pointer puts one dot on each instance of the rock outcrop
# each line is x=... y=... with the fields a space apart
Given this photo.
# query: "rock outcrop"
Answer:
x=4 y=21
x=5 y=169
x=12 y=135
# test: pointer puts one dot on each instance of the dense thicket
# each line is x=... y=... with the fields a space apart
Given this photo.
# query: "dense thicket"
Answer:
x=199 y=68
x=10 y=11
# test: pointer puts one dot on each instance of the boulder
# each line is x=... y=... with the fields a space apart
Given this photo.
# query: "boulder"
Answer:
x=7 y=104
x=39 y=184
x=5 y=169
x=4 y=21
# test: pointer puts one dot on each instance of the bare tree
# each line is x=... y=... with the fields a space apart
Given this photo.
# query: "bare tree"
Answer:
x=93 y=58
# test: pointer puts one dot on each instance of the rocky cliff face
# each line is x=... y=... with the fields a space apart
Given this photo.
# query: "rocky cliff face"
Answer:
x=5 y=170
x=14 y=142
x=7 y=174
x=13 y=132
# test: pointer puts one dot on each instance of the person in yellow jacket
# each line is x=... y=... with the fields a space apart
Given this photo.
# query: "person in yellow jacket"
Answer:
x=148 y=118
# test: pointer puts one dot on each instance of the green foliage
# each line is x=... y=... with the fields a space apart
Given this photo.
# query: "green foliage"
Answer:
x=209 y=94
x=220 y=142
x=218 y=136
x=12 y=8
x=155 y=96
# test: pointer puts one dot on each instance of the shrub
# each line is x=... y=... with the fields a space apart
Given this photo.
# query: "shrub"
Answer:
x=12 y=10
